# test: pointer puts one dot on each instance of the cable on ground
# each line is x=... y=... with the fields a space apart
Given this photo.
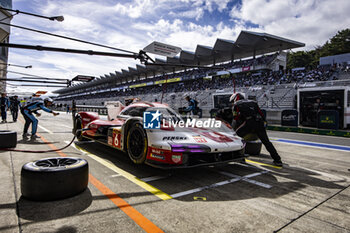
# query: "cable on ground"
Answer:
x=38 y=151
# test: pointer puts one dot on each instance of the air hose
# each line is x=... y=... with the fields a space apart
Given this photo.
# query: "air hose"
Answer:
x=38 y=151
x=42 y=151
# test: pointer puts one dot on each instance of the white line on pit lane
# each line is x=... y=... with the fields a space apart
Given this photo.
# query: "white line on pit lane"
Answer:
x=153 y=178
x=69 y=127
x=245 y=178
x=249 y=166
x=238 y=178
x=43 y=128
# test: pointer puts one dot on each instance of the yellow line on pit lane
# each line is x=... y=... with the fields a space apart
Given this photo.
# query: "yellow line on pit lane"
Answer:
x=127 y=175
x=263 y=164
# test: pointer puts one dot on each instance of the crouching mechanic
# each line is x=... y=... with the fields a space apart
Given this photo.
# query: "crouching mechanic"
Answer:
x=27 y=112
x=250 y=119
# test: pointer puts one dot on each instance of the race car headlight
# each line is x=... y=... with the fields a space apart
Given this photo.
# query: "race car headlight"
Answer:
x=192 y=148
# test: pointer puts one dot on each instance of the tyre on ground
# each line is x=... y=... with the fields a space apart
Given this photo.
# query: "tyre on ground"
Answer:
x=54 y=178
x=8 y=139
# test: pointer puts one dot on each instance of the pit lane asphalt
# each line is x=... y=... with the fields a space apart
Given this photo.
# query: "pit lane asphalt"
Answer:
x=310 y=193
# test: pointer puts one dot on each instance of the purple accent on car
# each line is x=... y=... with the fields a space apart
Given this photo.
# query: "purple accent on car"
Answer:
x=179 y=150
x=194 y=146
x=197 y=151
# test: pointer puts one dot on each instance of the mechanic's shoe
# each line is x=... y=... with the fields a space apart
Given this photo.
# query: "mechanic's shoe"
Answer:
x=25 y=135
x=34 y=137
x=278 y=163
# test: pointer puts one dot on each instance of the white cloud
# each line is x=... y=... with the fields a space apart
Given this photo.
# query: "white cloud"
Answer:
x=210 y=5
x=262 y=12
x=309 y=21
x=221 y=4
x=196 y=13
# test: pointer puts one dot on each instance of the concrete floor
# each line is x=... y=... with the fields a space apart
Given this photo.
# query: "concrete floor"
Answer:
x=310 y=194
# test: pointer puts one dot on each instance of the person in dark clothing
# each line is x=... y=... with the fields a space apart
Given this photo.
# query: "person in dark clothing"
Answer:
x=27 y=112
x=5 y=104
x=14 y=107
x=250 y=119
x=339 y=108
x=193 y=107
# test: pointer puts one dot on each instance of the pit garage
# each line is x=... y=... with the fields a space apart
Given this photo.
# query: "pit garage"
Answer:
x=309 y=194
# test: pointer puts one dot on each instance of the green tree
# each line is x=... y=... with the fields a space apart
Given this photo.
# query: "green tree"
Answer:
x=338 y=44
x=299 y=59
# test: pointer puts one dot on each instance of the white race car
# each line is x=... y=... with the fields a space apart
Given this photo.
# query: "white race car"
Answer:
x=155 y=134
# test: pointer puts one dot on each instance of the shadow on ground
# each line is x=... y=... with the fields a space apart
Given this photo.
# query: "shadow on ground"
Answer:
x=43 y=211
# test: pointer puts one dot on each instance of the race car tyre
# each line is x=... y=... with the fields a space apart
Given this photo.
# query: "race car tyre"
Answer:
x=250 y=137
x=54 y=178
x=137 y=144
x=8 y=139
x=253 y=147
x=78 y=132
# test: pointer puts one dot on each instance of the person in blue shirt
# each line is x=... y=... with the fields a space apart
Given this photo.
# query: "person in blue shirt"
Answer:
x=5 y=104
x=27 y=112
x=193 y=107
x=15 y=105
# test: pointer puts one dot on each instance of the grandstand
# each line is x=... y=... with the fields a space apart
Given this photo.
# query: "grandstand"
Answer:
x=260 y=77
x=254 y=59
x=254 y=64
x=273 y=97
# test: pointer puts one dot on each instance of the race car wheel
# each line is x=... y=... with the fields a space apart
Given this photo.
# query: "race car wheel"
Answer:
x=253 y=147
x=8 y=139
x=78 y=132
x=250 y=137
x=137 y=144
x=54 y=178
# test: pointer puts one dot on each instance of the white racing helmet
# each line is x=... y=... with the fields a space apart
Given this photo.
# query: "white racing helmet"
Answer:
x=48 y=99
x=236 y=96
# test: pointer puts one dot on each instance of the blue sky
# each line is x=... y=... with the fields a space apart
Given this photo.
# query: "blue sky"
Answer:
x=134 y=24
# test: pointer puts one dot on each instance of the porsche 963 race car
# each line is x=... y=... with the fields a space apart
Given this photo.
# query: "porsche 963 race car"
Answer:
x=154 y=134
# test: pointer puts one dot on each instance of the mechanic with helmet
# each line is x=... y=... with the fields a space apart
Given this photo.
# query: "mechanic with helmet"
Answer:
x=250 y=119
x=27 y=112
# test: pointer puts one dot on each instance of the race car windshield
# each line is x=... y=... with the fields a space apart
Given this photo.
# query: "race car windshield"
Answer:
x=167 y=114
x=134 y=111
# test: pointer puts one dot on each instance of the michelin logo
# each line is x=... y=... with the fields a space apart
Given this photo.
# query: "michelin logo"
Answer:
x=151 y=120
